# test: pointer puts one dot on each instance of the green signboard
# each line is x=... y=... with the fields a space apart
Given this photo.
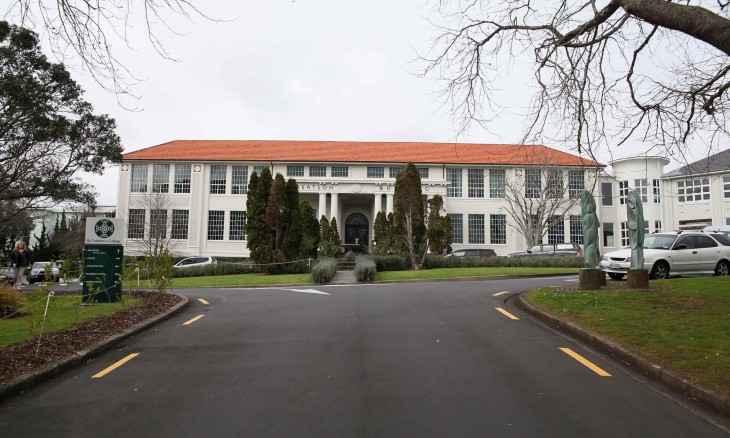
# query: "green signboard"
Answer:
x=103 y=254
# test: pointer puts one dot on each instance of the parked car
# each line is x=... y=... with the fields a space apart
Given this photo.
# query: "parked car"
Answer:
x=473 y=252
x=675 y=253
x=38 y=272
x=550 y=250
x=195 y=261
x=6 y=274
x=718 y=229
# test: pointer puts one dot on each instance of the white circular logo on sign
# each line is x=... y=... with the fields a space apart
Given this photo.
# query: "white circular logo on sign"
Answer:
x=104 y=228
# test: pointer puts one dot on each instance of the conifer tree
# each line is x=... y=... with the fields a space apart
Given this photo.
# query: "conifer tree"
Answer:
x=409 y=214
x=42 y=248
x=326 y=248
x=380 y=234
x=438 y=230
x=335 y=235
x=260 y=240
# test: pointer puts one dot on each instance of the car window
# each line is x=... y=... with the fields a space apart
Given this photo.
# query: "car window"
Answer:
x=659 y=241
x=685 y=240
x=459 y=253
x=722 y=238
x=37 y=265
x=536 y=248
x=704 y=242
x=472 y=252
x=565 y=246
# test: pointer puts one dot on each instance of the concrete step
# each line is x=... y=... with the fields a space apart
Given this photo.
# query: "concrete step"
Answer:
x=344 y=277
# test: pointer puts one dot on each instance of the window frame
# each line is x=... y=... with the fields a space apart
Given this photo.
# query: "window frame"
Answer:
x=179 y=229
x=314 y=171
x=457 y=237
x=376 y=172
x=181 y=184
x=216 y=185
x=136 y=183
x=237 y=225
x=295 y=170
x=476 y=234
x=340 y=171
x=217 y=219
x=497 y=183
x=454 y=177
x=498 y=229
x=475 y=183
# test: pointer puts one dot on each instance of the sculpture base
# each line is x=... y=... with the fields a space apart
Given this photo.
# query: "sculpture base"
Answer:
x=591 y=279
x=638 y=279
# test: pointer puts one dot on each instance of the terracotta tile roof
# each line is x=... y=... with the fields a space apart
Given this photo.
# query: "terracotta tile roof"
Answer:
x=354 y=151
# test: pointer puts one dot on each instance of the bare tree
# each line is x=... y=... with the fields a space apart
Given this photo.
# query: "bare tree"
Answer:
x=88 y=30
x=157 y=235
x=607 y=73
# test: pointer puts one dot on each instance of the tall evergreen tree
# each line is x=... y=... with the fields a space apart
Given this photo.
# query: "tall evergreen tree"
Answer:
x=326 y=248
x=259 y=236
x=335 y=235
x=276 y=220
x=42 y=248
x=310 y=233
x=409 y=214
x=380 y=234
x=438 y=230
x=293 y=220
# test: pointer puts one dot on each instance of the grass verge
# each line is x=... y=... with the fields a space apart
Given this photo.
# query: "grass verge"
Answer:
x=425 y=274
x=63 y=311
x=244 y=280
x=684 y=326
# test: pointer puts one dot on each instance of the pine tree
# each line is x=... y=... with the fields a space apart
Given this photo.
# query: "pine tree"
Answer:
x=380 y=234
x=335 y=235
x=42 y=248
x=260 y=240
x=409 y=214
x=326 y=248
x=438 y=230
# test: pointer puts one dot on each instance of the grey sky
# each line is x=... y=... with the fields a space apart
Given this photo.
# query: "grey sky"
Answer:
x=293 y=70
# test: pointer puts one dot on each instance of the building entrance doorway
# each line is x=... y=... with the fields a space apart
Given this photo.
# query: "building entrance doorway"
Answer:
x=357 y=229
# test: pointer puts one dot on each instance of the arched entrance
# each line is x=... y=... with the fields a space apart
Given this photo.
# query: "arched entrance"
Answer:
x=357 y=229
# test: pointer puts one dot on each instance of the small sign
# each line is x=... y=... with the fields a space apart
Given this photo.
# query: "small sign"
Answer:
x=104 y=231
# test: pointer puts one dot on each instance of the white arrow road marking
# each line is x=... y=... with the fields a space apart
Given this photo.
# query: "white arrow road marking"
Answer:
x=307 y=291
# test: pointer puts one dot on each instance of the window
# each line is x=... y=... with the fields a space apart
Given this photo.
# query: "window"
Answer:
x=623 y=191
x=239 y=180
x=139 y=178
x=453 y=176
x=704 y=242
x=607 y=194
x=135 y=226
x=576 y=183
x=657 y=225
x=498 y=229
x=533 y=183
x=237 y=229
x=216 y=219
x=726 y=187
x=646 y=228
x=259 y=169
x=340 y=172
x=624 y=234
x=376 y=172
x=180 y=219
x=556 y=230
x=161 y=178
x=394 y=171
x=217 y=180
x=608 y=234
x=693 y=190
x=476 y=228
x=457 y=227
x=656 y=191
x=727 y=221
x=294 y=171
x=318 y=171
x=475 y=181
x=496 y=183
x=555 y=188
x=423 y=172
x=158 y=224
x=182 y=178
x=642 y=189
x=576 y=229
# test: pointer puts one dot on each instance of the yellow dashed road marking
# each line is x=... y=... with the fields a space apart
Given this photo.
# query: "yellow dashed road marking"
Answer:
x=590 y=365
x=115 y=366
x=193 y=320
x=203 y=301
x=507 y=314
x=500 y=293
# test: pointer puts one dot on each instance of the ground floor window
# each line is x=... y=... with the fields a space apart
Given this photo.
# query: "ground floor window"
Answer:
x=624 y=234
x=556 y=230
x=576 y=229
x=457 y=227
x=657 y=226
x=180 y=219
x=237 y=228
x=135 y=226
x=216 y=220
x=498 y=229
x=158 y=224
x=476 y=228
x=608 y=239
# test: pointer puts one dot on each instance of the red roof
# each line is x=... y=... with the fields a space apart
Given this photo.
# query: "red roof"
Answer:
x=357 y=151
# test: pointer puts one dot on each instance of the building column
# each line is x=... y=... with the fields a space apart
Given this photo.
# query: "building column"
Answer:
x=377 y=208
x=335 y=209
x=389 y=204
x=322 y=206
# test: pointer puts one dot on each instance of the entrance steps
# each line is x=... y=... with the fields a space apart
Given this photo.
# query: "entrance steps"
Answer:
x=344 y=277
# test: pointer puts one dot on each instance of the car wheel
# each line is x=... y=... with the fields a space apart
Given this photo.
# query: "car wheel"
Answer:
x=660 y=271
x=615 y=276
x=723 y=268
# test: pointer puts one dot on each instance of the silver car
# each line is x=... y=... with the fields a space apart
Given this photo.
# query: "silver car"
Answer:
x=676 y=253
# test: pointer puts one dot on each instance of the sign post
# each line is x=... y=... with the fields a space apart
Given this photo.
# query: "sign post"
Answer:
x=103 y=255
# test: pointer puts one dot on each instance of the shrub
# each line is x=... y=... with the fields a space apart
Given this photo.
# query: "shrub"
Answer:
x=390 y=263
x=324 y=270
x=10 y=300
x=365 y=269
x=434 y=261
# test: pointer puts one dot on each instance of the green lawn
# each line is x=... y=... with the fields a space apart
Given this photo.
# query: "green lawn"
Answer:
x=685 y=326
x=245 y=280
x=64 y=311
x=467 y=272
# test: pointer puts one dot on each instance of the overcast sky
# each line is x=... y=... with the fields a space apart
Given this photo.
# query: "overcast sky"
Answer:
x=293 y=70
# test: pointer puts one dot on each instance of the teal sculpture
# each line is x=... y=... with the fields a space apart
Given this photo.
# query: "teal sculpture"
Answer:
x=589 y=220
x=635 y=214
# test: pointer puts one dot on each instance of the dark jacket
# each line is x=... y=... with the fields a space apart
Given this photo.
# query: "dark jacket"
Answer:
x=20 y=258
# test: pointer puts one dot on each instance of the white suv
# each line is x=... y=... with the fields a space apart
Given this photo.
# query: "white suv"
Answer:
x=675 y=253
x=194 y=262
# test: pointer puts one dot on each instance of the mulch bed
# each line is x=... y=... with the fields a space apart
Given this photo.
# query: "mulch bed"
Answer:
x=19 y=359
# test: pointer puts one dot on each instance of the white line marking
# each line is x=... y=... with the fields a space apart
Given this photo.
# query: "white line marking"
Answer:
x=306 y=291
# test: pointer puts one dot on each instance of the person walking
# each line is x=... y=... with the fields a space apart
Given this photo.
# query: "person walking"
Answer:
x=20 y=259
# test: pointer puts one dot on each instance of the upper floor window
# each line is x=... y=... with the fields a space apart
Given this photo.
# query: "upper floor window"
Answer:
x=642 y=189
x=394 y=171
x=376 y=172
x=607 y=194
x=340 y=171
x=217 y=179
x=161 y=178
x=533 y=183
x=576 y=183
x=453 y=176
x=475 y=180
x=239 y=180
x=726 y=187
x=318 y=171
x=656 y=191
x=497 y=180
x=623 y=191
x=423 y=172
x=182 y=178
x=555 y=187
x=139 y=178
x=292 y=171
x=693 y=190
x=259 y=169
